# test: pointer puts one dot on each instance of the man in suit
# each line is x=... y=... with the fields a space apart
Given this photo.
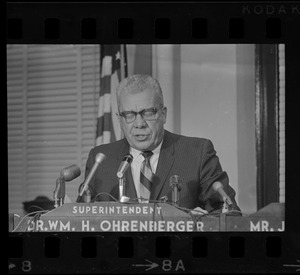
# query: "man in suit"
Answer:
x=142 y=115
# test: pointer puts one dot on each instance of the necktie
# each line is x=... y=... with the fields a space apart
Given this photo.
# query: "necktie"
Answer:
x=146 y=176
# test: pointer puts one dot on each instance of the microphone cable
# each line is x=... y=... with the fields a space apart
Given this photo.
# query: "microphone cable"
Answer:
x=28 y=215
x=105 y=193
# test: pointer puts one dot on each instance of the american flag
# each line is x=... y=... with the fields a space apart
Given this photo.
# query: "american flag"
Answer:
x=113 y=68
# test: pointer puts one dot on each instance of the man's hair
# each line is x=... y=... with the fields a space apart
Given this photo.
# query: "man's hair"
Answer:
x=138 y=83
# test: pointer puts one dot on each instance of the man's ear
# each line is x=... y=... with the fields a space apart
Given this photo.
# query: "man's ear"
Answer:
x=118 y=117
x=164 y=113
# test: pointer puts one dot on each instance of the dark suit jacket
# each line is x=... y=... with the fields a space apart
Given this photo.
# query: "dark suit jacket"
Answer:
x=193 y=159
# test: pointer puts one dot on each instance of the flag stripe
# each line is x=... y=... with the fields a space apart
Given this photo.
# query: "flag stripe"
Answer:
x=105 y=86
x=125 y=61
x=104 y=123
x=112 y=57
x=106 y=66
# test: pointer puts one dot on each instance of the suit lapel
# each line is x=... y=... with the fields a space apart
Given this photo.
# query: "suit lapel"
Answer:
x=165 y=162
x=129 y=186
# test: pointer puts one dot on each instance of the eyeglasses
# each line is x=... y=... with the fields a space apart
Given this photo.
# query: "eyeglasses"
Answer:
x=146 y=114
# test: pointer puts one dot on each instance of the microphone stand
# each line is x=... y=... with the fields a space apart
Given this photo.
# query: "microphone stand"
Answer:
x=175 y=197
x=59 y=192
x=175 y=184
x=122 y=183
x=227 y=205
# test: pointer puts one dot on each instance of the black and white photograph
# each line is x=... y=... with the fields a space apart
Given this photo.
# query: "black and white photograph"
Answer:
x=146 y=137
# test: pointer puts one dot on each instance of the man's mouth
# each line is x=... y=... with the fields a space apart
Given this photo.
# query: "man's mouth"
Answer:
x=141 y=137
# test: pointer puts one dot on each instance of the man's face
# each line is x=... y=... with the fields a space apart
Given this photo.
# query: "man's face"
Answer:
x=141 y=134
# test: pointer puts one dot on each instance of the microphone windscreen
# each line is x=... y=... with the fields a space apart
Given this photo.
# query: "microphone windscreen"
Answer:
x=175 y=180
x=128 y=158
x=217 y=185
x=71 y=172
x=100 y=157
x=124 y=165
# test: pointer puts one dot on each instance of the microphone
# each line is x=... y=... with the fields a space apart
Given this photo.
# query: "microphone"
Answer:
x=98 y=160
x=120 y=174
x=176 y=185
x=67 y=174
x=218 y=187
x=71 y=172
x=164 y=198
x=124 y=165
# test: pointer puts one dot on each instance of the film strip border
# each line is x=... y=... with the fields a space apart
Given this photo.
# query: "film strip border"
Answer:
x=152 y=22
x=127 y=253
x=126 y=28
x=258 y=22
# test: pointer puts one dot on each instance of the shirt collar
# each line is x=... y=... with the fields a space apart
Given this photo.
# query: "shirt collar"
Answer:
x=135 y=153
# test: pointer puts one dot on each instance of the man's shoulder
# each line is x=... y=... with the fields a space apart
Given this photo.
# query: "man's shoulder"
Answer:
x=186 y=139
x=189 y=145
x=109 y=148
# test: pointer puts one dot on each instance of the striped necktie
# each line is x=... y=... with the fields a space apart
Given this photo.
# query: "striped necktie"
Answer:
x=146 y=177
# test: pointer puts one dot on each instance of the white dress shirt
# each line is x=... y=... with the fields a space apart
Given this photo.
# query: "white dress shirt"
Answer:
x=136 y=165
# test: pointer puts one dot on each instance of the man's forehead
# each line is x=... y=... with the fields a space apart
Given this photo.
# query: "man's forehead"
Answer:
x=138 y=92
x=142 y=98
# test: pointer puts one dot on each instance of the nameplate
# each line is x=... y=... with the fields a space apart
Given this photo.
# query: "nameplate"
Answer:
x=119 y=217
x=150 y=217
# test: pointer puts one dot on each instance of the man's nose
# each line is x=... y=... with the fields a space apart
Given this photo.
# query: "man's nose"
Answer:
x=139 y=121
